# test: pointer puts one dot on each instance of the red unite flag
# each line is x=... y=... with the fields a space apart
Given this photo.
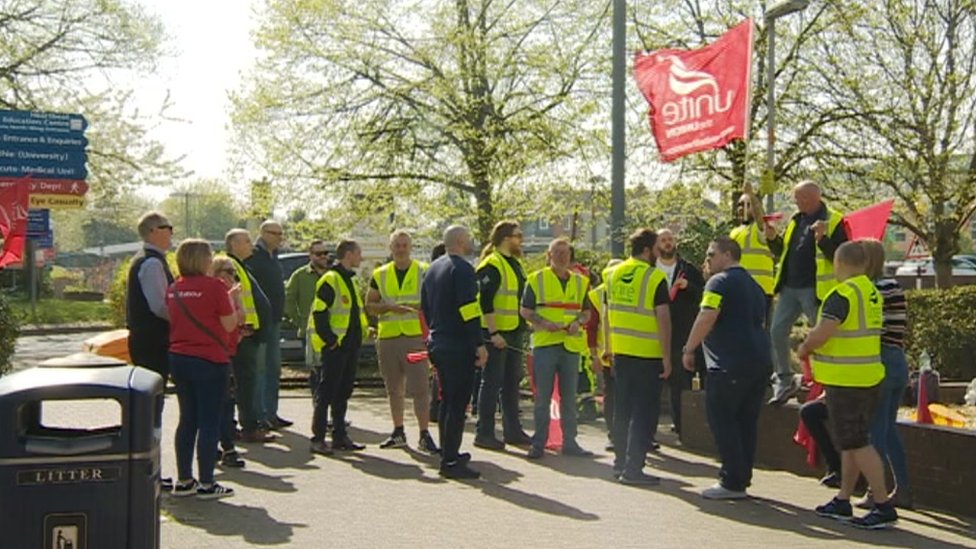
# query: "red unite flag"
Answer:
x=14 y=202
x=699 y=98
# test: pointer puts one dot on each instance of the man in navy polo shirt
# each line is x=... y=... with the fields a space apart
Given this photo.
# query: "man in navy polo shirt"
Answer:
x=731 y=324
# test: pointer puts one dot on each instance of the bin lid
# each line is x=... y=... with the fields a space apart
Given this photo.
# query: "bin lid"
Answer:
x=51 y=382
x=81 y=360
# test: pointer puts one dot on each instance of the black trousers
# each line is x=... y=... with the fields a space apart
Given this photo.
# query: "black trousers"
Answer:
x=732 y=404
x=637 y=395
x=228 y=425
x=336 y=379
x=608 y=400
x=814 y=415
x=150 y=353
x=455 y=372
x=502 y=373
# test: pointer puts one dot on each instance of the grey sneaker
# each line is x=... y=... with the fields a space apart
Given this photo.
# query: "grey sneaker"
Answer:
x=427 y=444
x=397 y=440
x=783 y=393
x=717 y=491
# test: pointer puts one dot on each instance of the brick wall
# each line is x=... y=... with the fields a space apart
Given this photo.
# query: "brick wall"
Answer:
x=941 y=461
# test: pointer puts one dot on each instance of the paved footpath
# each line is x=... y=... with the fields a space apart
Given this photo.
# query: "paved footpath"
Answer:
x=394 y=498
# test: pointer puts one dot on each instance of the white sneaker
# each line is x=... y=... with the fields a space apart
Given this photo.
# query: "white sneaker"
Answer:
x=720 y=492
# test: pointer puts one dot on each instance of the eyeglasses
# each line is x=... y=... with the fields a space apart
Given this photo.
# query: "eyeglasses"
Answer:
x=165 y=227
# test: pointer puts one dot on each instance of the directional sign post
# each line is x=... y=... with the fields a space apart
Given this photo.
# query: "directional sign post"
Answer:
x=48 y=152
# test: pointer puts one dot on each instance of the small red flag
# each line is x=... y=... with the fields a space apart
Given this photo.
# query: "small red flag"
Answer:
x=922 y=414
x=699 y=99
x=14 y=202
x=869 y=222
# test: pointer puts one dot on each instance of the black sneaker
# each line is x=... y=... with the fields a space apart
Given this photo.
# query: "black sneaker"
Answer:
x=182 y=490
x=639 y=479
x=459 y=471
x=464 y=457
x=427 y=444
x=882 y=516
x=839 y=509
x=535 y=452
x=231 y=459
x=166 y=484
x=831 y=480
x=520 y=439
x=346 y=444
x=320 y=447
x=489 y=443
x=574 y=450
x=214 y=491
x=280 y=422
x=397 y=440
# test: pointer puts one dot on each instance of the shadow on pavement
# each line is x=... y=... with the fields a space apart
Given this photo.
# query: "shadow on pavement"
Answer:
x=784 y=516
x=384 y=468
x=941 y=521
x=222 y=518
x=258 y=481
x=294 y=455
x=493 y=484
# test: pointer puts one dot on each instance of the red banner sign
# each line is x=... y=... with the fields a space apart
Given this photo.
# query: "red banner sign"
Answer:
x=699 y=98
x=76 y=187
x=13 y=221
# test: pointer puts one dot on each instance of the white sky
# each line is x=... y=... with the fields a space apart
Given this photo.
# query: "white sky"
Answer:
x=212 y=47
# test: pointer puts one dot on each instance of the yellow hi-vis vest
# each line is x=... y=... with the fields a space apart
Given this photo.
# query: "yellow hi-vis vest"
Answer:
x=852 y=356
x=393 y=292
x=825 y=267
x=247 y=294
x=506 y=301
x=340 y=310
x=597 y=298
x=630 y=301
x=756 y=257
x=555 y=304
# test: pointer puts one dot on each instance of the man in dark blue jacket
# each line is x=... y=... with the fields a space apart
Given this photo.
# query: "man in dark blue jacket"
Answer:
x=449 y=300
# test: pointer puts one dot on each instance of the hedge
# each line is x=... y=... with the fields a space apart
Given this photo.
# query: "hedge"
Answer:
x=9 y=330
x=943 y=322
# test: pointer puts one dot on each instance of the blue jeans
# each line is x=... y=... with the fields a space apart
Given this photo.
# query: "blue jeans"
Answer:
x=791 y=303
x=272 y=372
x=548 y=363
x=201 y=386
x=884 y=429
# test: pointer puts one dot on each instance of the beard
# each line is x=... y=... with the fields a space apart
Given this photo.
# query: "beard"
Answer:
x=668 y=254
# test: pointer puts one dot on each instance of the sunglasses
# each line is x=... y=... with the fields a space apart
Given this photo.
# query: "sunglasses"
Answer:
x=165 y=227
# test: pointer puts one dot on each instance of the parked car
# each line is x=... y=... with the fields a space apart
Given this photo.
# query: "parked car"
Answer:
x=926 y=267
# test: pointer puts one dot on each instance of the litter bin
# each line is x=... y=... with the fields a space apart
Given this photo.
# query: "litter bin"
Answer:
x=79 y=457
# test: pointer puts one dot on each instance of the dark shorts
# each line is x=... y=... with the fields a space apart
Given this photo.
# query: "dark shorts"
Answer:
x=850 y=413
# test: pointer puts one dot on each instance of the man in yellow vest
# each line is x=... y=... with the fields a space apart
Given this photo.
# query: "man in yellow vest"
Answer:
x=502 y=280
x=249 y=361
x=337 y=326
x=394 y=298
x=555 y=305
x=640 y=348
x=845 y=354
x=750 y=235
x=804 y=276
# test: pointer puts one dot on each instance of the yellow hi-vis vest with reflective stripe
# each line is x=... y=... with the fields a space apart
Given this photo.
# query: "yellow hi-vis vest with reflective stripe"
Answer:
x=393 y=292
x=340 y=309
x=825 y=267
x=852 y=356
x=756 y=257
x=555 y=304
x=506 y=301
x=598 y=302
x=247 y=294
x=630 y=302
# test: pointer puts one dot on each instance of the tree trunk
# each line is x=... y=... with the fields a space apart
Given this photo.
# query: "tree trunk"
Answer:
x=486 y=211
x=946 y=246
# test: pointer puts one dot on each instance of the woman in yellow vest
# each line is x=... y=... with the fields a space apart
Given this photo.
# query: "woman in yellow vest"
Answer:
x=554 y=304
x=502 y=280
x=845 y=353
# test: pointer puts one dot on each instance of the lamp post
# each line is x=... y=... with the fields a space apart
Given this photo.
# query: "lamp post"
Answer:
x=776 y=11
x=185 y=195
x=618 y=130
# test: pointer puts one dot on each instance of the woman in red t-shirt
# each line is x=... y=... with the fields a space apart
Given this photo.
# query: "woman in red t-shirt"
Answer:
x=201 y=317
